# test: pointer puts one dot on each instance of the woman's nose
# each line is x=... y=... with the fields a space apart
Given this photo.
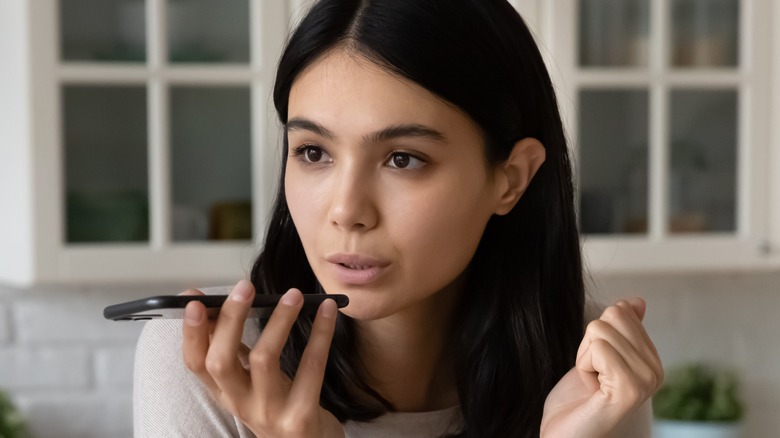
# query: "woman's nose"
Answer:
x=353 y=206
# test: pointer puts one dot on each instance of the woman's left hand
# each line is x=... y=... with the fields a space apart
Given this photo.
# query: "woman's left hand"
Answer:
x=617 y=371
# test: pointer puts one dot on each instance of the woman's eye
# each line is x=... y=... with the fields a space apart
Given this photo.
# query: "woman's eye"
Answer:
x=312 y=154
x=401 y=160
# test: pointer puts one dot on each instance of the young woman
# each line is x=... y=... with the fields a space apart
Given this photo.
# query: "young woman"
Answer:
x=426 y=176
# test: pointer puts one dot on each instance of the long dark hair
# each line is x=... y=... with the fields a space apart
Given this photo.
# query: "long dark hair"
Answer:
x=520 y=318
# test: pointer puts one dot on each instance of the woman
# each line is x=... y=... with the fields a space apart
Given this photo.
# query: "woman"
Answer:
x=425 y=176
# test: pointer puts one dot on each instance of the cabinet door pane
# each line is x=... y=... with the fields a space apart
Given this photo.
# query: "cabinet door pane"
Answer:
x=208 y=31
x=211 y=163
x=703 y=170
x=106 y=162
x=614 y=33
x=613 y=133
x=705 y=33
x=103 y=30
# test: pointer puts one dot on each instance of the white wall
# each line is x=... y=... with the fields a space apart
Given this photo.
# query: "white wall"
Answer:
x=71 y=371
x=16 y=188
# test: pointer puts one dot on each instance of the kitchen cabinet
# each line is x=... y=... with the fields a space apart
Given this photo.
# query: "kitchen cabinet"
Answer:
x=668 y=105
x=138 y=145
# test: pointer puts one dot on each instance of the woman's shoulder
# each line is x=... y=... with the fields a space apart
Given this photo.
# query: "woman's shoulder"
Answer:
x=168 y=400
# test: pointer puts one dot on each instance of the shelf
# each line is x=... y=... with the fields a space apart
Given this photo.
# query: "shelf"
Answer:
x=623 y=78
x=102 y=73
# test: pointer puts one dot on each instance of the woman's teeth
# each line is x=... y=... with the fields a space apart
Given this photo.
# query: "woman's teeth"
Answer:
x=355 y=266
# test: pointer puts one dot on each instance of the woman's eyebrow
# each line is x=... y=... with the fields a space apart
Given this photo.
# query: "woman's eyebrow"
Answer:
x=406 y=130
x=385 y=134
x=301 y=124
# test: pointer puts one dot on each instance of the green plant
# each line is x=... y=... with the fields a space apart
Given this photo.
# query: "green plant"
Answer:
x=11 y=421
x=696 y=392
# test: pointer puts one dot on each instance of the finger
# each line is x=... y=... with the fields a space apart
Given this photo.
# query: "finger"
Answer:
x=243 y=355
x=267 y=377
x=190 y=292
x=639 y=306
x=196 y=344
x=222 y=361
x=619 y=382
x=601 y=333
x=626 y=321
x=307 y=384
x=602 y=330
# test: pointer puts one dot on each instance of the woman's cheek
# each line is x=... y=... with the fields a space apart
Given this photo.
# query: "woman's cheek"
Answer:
x=304 y=203
x=443 y=236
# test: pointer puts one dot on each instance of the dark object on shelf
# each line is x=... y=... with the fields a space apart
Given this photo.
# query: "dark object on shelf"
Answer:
x=231 y=221
x=107 y=217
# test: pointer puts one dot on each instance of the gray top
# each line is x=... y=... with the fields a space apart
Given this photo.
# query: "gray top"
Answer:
x=170 y=401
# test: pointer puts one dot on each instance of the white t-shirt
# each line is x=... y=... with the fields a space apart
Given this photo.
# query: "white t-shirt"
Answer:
x=169 y=401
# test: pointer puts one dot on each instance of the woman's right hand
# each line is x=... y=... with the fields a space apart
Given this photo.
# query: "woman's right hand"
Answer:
x=268 y=402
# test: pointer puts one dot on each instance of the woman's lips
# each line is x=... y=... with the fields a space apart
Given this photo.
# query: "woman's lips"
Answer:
x=356 y=269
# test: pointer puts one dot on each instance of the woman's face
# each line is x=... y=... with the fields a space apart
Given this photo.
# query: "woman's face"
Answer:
x=387 y=185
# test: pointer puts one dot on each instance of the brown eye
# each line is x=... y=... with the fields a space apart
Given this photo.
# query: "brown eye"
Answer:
x=313 y=155
x=401 y=160
x=309 y=154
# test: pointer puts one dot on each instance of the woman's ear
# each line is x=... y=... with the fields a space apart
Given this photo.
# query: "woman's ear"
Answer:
x=516 y=172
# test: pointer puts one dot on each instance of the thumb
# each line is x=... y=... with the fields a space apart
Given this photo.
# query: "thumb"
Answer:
x=639 y=305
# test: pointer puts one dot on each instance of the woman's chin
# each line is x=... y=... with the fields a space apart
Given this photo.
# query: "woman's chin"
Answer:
x=367 y=308
x=362 y=312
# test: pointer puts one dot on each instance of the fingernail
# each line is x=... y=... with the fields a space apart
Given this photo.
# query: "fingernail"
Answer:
x=193 y=315
x=242 y=291
x=328 y=308
x=292 y=297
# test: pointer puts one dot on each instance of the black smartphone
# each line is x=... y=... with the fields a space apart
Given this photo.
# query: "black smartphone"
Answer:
x=172 y=306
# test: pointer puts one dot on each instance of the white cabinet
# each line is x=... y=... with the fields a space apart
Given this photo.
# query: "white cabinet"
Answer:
x=669 y=108
x=138 y=145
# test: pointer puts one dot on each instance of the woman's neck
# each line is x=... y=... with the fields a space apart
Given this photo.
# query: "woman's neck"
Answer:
x=408 y=356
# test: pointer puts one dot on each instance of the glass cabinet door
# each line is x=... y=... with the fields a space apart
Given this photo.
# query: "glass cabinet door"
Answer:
x=124 y=111
x=103 y=30
x=668 y=129
x=613 y=171
x=705 y=33
x=703 y=161
x=115 y=30
x=613 y=33
x=210 y=158
x=208 y=31
x=106 y=163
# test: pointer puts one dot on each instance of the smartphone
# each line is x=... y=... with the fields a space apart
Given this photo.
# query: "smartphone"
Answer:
x=172 y=306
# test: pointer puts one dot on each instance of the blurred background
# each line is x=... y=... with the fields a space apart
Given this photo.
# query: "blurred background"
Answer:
x=139 y=156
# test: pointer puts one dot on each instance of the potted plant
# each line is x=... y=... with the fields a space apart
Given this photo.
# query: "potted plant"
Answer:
x=11 y=422
x=698 y=401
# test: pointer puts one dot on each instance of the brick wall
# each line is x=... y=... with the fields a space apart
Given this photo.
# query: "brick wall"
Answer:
x=70 y=371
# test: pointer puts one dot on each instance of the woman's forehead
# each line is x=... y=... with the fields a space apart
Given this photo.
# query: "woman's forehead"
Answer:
x=343 y=86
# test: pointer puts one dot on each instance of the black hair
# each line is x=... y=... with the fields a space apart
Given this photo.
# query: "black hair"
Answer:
x=521 y=314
